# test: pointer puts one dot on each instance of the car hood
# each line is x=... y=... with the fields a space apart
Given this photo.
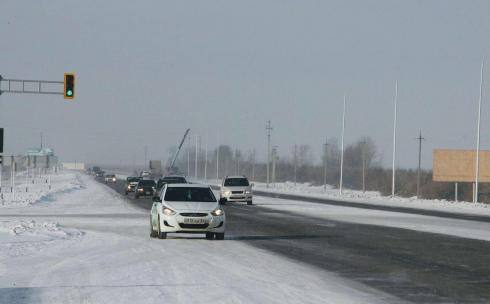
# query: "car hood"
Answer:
x=192 y=206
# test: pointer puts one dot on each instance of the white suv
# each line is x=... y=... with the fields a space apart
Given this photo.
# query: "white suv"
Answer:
x=236 y=189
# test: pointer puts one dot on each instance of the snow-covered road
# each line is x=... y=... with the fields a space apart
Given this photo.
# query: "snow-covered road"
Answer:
x=89 y=245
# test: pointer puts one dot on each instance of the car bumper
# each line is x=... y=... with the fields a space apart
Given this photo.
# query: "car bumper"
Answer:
x=237 y=197
x=175 y=223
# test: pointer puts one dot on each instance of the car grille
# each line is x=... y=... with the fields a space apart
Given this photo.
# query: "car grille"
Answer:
x=193 y=226
x=237 y=192
x=194 y=214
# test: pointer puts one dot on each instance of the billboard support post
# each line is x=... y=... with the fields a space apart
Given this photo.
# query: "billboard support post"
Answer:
x=477 y=175
x=456 y=192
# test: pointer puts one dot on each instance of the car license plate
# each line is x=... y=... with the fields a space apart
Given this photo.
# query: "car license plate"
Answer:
x=194 y=221
x=148 y=192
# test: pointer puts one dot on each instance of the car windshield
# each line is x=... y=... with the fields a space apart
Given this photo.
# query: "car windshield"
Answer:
x=146 y=183
x=189 y=194
x=236 y=182
x=132 y=179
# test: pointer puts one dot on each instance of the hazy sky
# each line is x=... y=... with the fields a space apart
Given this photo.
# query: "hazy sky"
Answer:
x=147 y=70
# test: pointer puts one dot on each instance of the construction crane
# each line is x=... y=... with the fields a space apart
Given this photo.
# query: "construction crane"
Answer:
x=171 y=168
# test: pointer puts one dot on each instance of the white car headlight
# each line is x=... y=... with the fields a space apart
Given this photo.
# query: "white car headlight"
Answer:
x=226 y=192
x=248 y=192
x=168 y=211
x=218 y=212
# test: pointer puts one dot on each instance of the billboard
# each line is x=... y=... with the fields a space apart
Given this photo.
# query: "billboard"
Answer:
x=73 y=166
x=459 y=166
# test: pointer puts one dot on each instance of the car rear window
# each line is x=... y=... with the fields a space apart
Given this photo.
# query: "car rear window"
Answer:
x=146 y=183
x=189 y=194
x=174 y=180
x=236 y=182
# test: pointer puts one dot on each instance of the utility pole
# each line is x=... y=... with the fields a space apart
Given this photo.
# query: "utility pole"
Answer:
x=237 y=162
x=342 y=152
x=420 y=139
x=195 y=161
x=217 y=157
x=325 y=153
x=199 y=159
x=363 y=152
x=253 y=165
x=134 y=166
x=189 y=155
x=477 y=165
x=394 y=141
x=295 y=163
x=274 y=153
x=269 y=129
x=206 y=157
x=146 y=155
x=13 y=165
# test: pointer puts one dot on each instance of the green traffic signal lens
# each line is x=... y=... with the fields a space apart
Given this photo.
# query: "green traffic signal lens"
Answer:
x=69 y=86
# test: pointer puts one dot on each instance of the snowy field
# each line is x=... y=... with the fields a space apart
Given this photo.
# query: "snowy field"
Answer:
x=30 y=189
x=89 y=245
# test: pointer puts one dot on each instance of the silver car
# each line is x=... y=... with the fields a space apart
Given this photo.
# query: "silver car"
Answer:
x=236 y=189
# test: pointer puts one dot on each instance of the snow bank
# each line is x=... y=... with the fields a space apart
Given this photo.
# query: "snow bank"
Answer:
x=46 y=229
x=27 y=237
x=369 y=197
x=375 y=198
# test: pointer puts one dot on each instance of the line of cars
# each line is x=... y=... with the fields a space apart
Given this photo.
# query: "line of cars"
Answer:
x=97 y=172
x=182 y=207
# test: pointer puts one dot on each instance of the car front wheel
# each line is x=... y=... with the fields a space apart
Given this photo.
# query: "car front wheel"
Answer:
x=209 y=236
x=220 y=236
x=249 y=203
x=161 y=235
x=153 y=233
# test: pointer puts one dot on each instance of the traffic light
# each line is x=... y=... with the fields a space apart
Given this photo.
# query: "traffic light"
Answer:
x=69 y=91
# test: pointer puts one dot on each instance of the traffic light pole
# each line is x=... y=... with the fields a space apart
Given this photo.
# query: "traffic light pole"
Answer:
x=35 y=86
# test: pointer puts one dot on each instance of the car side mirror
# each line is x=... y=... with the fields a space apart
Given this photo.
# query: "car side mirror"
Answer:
x=156 y=199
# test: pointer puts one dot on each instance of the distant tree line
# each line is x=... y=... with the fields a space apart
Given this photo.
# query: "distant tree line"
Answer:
x=300 y=160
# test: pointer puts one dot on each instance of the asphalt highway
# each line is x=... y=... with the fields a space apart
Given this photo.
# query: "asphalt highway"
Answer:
x=414 y=266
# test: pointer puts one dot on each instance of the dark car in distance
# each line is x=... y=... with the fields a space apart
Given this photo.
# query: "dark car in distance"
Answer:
x=170 y=179
x=145 y=187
